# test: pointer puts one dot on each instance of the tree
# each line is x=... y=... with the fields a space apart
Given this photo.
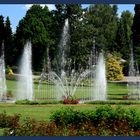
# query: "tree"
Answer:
x=56 y=26
x=79 y=51
x=74 y=14
x=124 y=34
x=124 y=37
x=34 y=26
x=136 y=33
x=104 y=20
x=1 y=31
x=8 y=43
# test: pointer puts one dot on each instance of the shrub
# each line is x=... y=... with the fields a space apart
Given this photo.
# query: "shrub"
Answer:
x=9 y=71
x=22 y=102
x=103 y=121
x=70 y=101
x=106 y=120
x=12 y=77
x=114 y=69
x=67 y=116
x=31 y=127
x=113 y=102
x=9 y=121
x=36 y=102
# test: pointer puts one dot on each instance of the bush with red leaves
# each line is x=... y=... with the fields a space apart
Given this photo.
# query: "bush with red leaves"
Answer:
x=70 y=101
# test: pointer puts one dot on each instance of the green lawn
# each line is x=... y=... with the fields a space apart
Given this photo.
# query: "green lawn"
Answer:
x=43 y=112
x=49 y=91
x=38 y=112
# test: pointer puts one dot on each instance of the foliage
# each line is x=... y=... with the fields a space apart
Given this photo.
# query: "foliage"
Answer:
x=68 y=116
x=124 y=34
x=34 y=26
x=113 y=102
x=9 y=71
x=136 y=33
x=70 y=101
x=124 y=37
x=114 y=69
x=44 y=29
x=103 y=118
x=36 y=102
x=9 y=121
x=104 y=121
x=104 y=19
x=8 y=43
x=1 y=31
x=11 y=77
x=33 y=128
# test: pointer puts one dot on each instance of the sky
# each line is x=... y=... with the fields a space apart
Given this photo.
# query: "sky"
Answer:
x=17 y=11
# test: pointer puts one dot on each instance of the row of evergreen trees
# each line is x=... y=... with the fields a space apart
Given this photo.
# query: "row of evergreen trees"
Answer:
x=113 y=33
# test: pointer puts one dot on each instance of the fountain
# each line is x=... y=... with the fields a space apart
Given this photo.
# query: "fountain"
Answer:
x=100 y=80
x=3 y=87
x=25 y=81
x=67 y=80
x=133 y=80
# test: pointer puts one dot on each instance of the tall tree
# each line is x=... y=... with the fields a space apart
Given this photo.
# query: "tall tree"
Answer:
x=124 y=34
x=8 y=42
x=56 y=26
x=1 y=31
x=136 y=33
x=78 y=46
x=34 y=26
x=104 y=20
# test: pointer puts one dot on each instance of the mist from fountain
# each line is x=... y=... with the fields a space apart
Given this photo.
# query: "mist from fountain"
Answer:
x=133 y=79
x=100 y=84
x=65 y=79
x=3 y=87
x=25 y=80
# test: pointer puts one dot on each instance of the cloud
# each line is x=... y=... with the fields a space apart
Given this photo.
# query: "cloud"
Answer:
x=50 y=6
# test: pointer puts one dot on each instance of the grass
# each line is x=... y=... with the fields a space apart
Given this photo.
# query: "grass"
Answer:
x=43 y=112
x=114 y=91
x=117 y=91
x=38 y=112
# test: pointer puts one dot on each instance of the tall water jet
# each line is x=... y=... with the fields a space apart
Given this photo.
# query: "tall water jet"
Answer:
x=3 y=86
x=63 y=50
x=132 y=70
x=65 y=79
x=133 y=79
x=100 y=84
x=25 y=81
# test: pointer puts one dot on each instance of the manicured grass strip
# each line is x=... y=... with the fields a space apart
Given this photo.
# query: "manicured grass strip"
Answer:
x=115 y=102
x=38 y=102
x=43 y=112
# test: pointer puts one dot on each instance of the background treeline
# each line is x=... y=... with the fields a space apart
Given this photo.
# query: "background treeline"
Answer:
x=112 y=33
